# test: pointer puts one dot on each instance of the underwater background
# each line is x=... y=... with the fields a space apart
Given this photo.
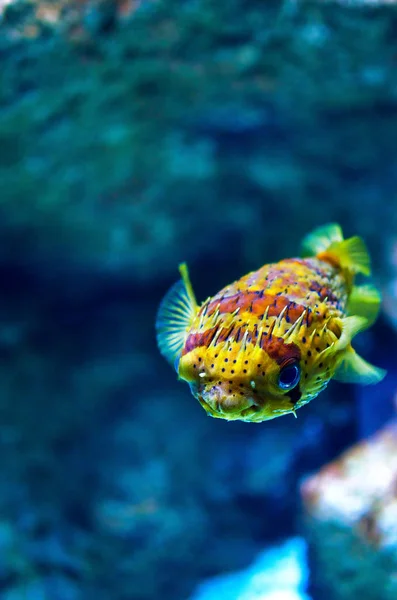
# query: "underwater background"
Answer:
x=134 y=135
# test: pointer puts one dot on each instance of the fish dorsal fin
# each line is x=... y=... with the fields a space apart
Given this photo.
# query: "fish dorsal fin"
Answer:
x=364 y=301
x=175 y=316
x=327 y=244
x=351 y=254
x=354 y=369
x=321 y=238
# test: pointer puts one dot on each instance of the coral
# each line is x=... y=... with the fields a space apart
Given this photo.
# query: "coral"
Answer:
x=351 y=519
x=279 y=572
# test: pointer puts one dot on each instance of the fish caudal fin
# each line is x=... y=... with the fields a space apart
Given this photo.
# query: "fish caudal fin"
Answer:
x=364 y=301
x=354 y=369
x=327 y=244
x=175 y=316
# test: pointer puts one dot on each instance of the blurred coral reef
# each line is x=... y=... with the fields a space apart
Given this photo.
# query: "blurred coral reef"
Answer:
x=351 y=517
x=277 y=573
x=116 y=123
x=135 y=135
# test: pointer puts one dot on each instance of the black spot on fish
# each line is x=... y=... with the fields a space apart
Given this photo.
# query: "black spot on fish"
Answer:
x=304 y=340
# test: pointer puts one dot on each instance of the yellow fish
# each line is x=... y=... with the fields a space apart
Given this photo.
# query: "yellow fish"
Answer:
x=270 y=342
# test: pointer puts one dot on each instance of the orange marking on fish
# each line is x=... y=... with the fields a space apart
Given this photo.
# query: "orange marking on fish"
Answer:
x=257 y=303
x=196 y=340
x=279 y=350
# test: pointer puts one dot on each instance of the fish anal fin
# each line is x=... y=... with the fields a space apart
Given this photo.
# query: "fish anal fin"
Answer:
x=175 y=315
x=364 y=301
x=354 y=369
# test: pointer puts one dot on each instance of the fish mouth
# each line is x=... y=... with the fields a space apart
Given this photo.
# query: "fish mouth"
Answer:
x=230 y=406
x=241 y=405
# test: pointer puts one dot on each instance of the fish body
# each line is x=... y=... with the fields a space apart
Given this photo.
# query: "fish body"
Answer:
x=270 y=342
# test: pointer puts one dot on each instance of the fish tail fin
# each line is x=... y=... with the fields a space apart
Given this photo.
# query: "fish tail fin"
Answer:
x=328 y=244
x=176 y=313
x=364 y=301
x=354 y=369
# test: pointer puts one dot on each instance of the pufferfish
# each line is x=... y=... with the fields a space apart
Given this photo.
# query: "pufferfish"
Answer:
x=270 y=342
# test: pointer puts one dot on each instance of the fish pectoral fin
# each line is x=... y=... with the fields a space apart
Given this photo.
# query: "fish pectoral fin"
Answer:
x=350 y=327
x=321 y=238
x=354 y=369
x=175 y=316
x=364 y=301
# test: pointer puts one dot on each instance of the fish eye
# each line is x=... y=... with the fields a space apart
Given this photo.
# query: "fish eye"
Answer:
x=289 y=377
